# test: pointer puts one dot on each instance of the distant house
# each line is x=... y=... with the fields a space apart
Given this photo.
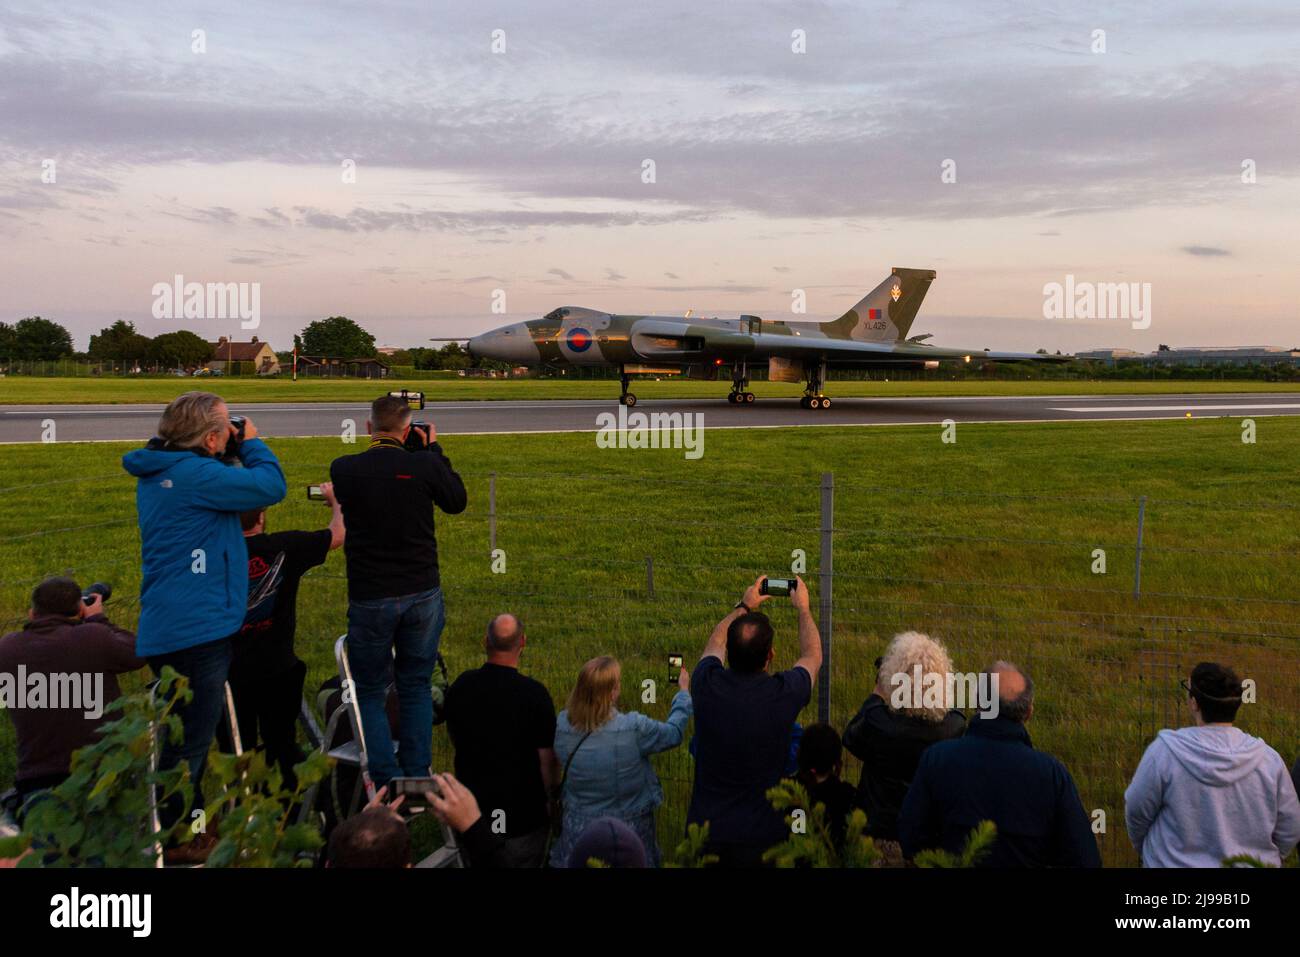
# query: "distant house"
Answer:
x=260 y=354
x=339 y=366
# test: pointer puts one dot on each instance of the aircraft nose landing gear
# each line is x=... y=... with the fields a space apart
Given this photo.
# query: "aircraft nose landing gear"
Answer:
x=812 y=395
x=627 y=398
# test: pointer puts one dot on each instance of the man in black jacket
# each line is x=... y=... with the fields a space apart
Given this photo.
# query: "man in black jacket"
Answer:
x=77 y=652
x=394 y=593
x=993 y=773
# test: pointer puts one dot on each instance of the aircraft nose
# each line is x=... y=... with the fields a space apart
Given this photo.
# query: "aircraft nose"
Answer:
x=507 y=344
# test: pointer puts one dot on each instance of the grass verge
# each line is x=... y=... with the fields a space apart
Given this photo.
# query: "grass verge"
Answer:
x=989 y=544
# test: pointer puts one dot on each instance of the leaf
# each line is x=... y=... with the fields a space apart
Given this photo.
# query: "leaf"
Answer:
x=104 y=783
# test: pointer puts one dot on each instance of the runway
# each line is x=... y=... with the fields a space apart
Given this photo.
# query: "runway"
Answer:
x=83 y=423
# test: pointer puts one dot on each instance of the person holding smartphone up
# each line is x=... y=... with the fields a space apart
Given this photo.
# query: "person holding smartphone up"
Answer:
x=744 y=716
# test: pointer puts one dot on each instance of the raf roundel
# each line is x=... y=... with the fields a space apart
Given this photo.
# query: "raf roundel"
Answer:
x=578 y=339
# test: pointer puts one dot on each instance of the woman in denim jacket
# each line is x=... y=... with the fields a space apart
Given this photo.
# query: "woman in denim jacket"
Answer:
x=610 y=773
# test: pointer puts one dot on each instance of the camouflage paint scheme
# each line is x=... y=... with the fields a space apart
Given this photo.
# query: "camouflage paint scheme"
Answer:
x=873 y=334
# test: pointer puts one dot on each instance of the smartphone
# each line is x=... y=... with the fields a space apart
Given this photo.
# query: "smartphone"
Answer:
x=674 y=669
x=415 y=789
x=314 y=494
x=778 y=586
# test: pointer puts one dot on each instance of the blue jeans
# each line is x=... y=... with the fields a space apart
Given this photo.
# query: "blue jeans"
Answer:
x=410 y=625
x=206 y=666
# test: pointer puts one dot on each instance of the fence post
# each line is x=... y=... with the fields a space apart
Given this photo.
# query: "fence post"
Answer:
x=1137 y=565
x=650 y=575
x=825 y=575
x=492 y=514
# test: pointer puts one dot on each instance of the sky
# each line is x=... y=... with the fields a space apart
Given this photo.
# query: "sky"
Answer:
x=410 y=165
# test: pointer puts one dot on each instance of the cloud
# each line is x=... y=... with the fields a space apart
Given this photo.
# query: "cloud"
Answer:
x=30 y=199
x=761 y=131
x=733 y=288
x=613 y=275
x=273 y=219
x=1205 y=251
x=561 y=273
x=219 y=215
x=265 y=257
x=474 y=222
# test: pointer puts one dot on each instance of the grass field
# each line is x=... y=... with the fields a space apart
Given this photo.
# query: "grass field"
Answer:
x=30 y=390
x=988 y=544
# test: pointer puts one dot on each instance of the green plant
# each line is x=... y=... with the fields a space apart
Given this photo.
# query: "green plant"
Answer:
x=978 y=843
x=1243 y=860
x=100 y=816
x=690 y=852
x=254 y=810
x=811 y=843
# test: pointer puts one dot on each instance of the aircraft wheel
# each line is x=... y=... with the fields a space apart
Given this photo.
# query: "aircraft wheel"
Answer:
x=629 y=400
x=826 y=402
x=733 y=398
x=803 y=403
x=815 y=402
x=749 y=398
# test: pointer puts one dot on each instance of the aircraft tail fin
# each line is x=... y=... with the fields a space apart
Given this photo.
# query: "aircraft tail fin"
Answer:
x=886 y=313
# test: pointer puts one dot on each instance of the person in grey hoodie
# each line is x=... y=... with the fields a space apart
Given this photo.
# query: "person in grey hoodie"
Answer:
x=1205 y=793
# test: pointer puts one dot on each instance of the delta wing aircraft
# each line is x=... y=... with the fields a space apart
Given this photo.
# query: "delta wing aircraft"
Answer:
x=871 y=335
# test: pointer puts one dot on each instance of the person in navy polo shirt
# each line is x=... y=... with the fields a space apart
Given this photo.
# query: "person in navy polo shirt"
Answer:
x=744 y=716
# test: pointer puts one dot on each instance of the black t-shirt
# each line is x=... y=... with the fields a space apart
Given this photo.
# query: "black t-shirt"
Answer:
x=388 y=495
x=498 y=720
x=276 y=564
x=742 y=742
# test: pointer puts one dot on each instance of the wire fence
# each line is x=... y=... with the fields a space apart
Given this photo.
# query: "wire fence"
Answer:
x=597 y=565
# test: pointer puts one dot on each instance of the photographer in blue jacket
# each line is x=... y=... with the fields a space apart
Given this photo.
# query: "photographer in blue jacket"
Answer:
x=194 y=575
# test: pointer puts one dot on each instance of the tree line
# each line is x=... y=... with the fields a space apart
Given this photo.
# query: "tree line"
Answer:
x=38 y=339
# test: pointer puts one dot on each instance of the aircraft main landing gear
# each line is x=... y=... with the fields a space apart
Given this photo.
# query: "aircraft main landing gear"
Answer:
x=627 y=398
x=740 y=394
x=812 y=396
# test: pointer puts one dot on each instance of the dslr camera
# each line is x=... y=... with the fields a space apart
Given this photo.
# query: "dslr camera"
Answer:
x=232 y=446
x=101 y=589
x=413 y=443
